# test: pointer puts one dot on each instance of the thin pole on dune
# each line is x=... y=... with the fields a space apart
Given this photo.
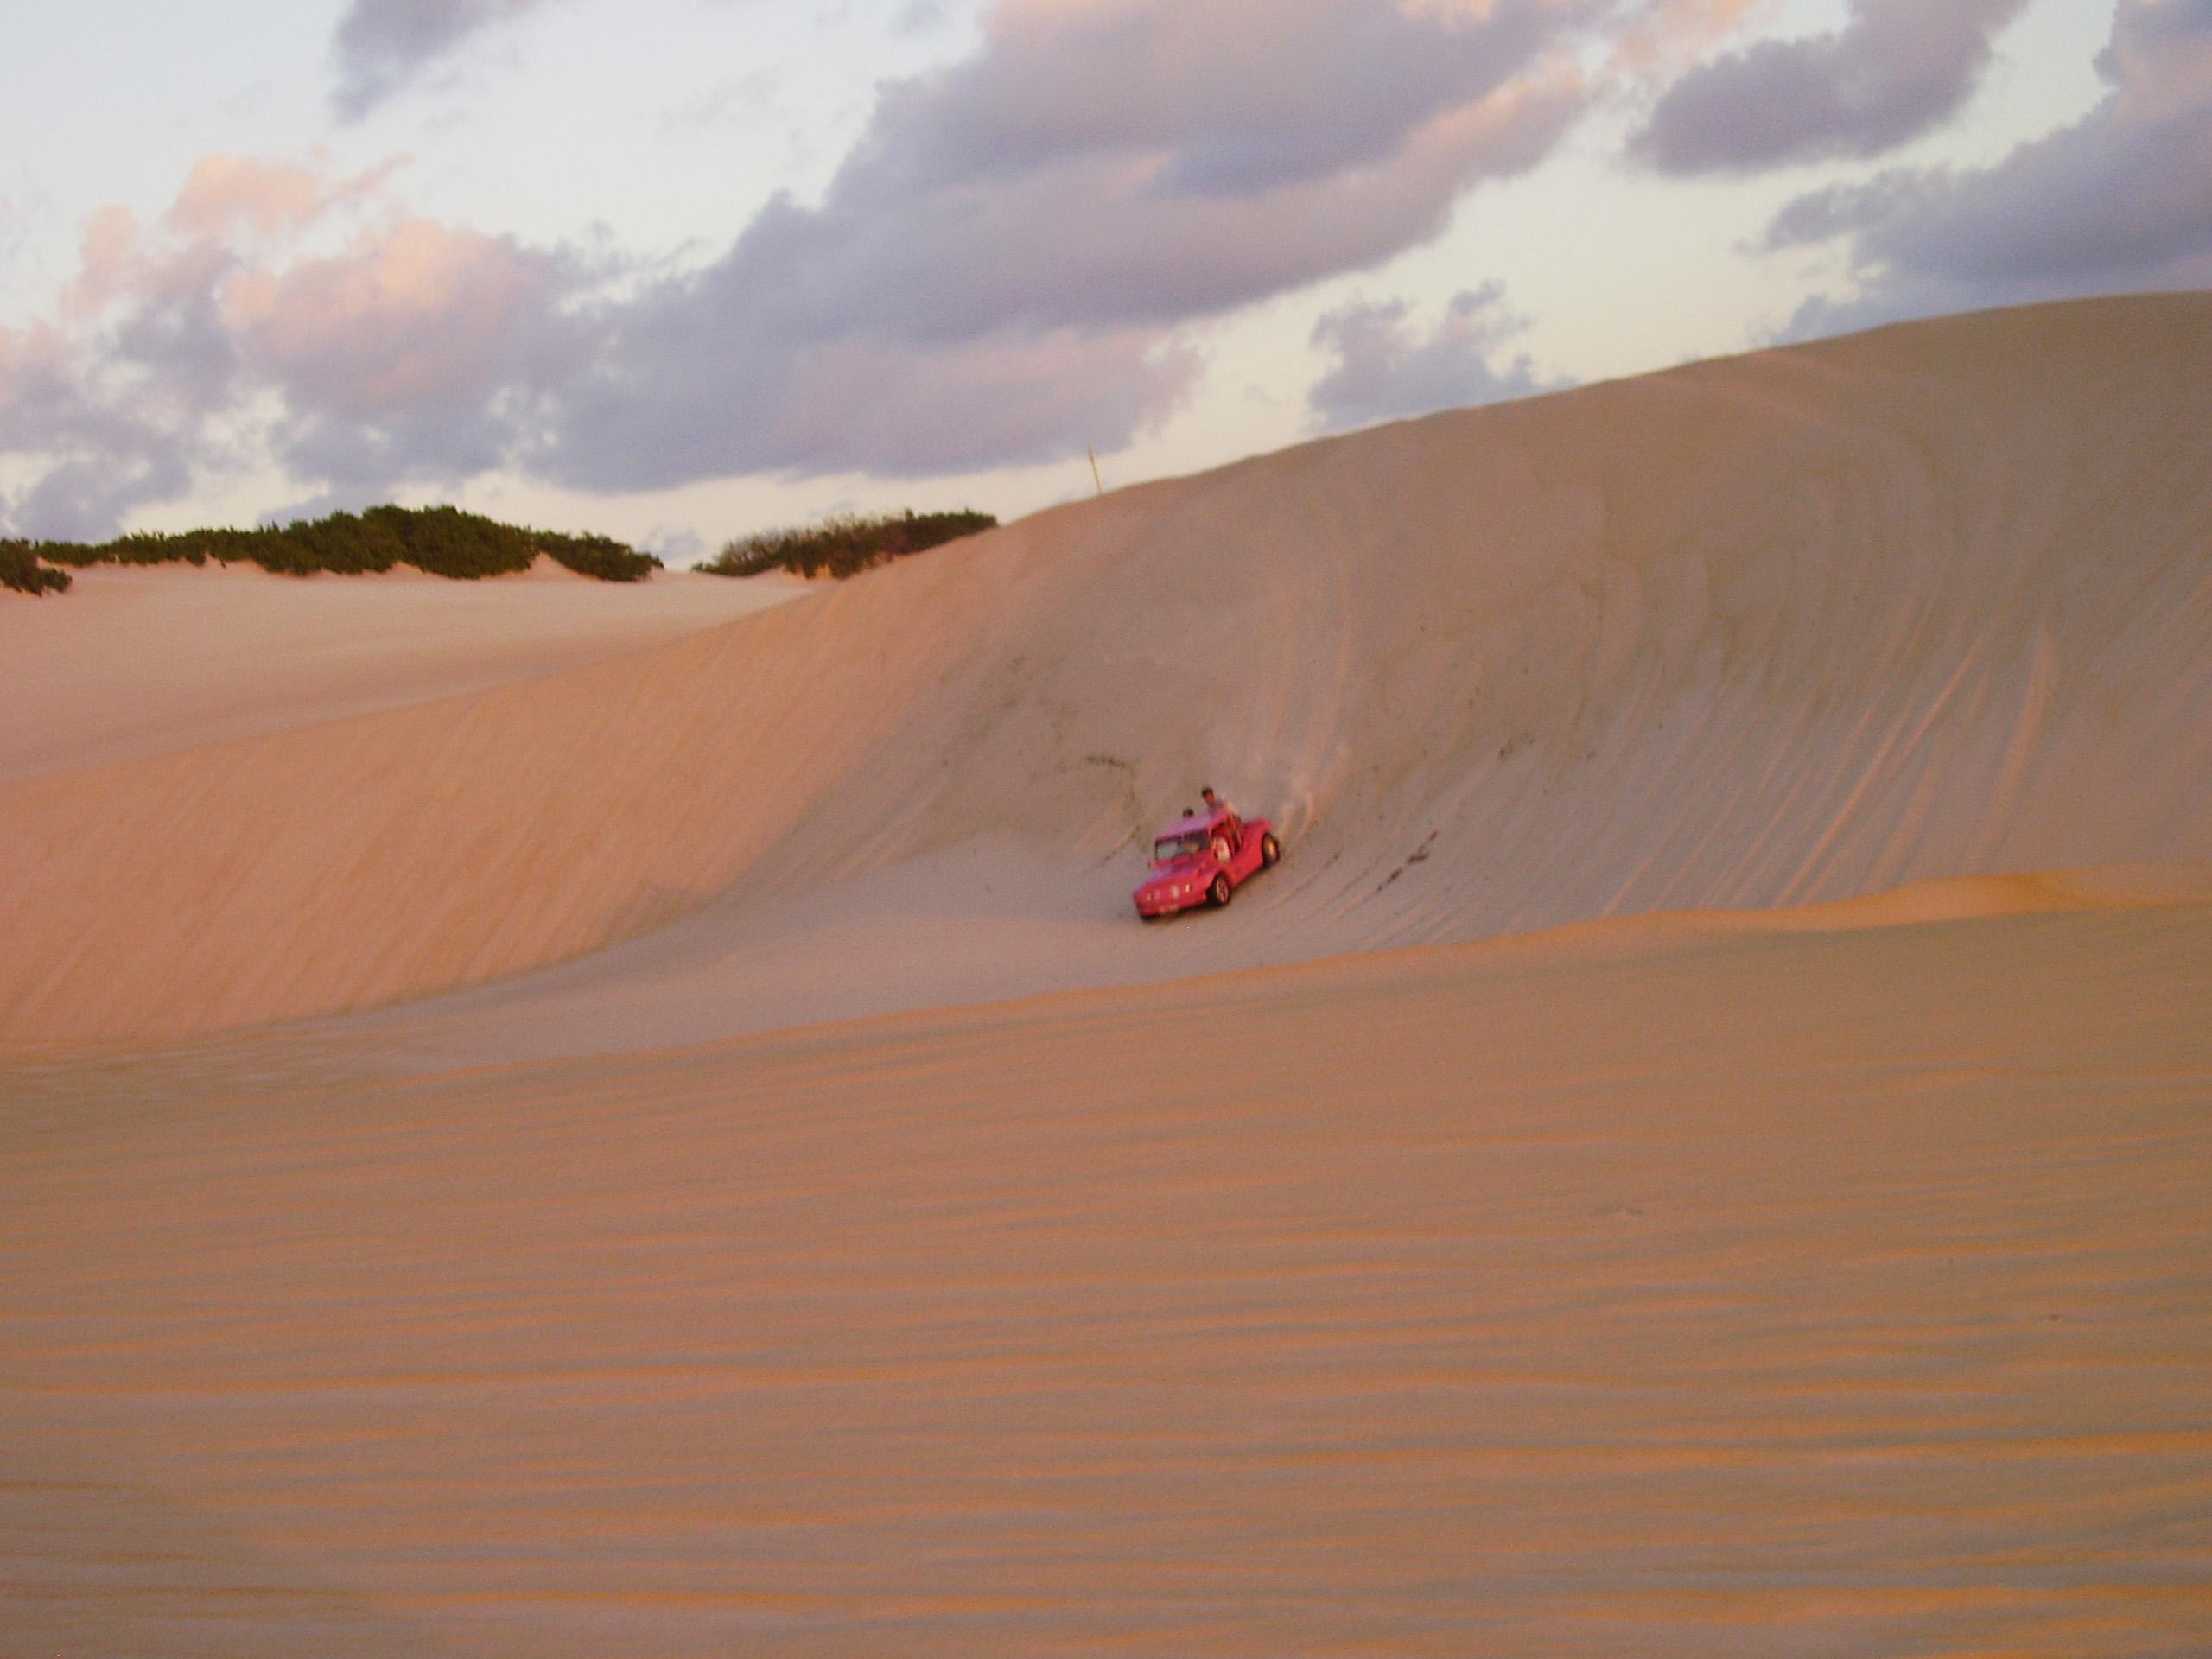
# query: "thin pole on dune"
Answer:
x=1092 y=452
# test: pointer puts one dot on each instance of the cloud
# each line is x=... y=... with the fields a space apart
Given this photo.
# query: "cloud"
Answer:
x=172 y=347
x=2120 y=201
x=382 y=45
x=1384 y=370
x=999 y=270
x=671 y=409
x=115 y=393
x=1660 y=37
x=223 y=194
x=1225 y=105
x=414 y=314
x=1008 y=266
x=1897 y=69
x=919 y=16
x=105 y=456
x=407 y=356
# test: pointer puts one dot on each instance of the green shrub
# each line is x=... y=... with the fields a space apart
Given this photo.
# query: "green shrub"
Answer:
x=443 y=541
x=598 y=556
x=846 y=545
x=20 y=569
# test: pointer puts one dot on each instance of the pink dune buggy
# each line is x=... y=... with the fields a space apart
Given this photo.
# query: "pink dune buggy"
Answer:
x=1203 y=859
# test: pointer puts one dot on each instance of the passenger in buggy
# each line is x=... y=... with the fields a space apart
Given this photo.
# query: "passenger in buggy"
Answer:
x=1229 y=832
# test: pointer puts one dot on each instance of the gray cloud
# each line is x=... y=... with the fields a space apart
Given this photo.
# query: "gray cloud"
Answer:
x=676 y=399
x=919 y=16
x=997 y=273
x=2120 y=201
x=1897 y=69
x=1383 y=370
x=1223 y=105
x=84 y=498
x=381 y=45
x=125 y=423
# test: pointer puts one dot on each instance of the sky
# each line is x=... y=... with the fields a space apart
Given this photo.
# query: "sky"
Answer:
x=679 y=270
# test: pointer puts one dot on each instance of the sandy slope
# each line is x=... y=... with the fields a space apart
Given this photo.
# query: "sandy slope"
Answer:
x=1820 y=1280
x=139 y=661
x=1820 y=1290
x=1931 y=602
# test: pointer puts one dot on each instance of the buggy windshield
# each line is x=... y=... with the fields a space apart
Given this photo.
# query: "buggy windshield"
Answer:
x=1170 y=847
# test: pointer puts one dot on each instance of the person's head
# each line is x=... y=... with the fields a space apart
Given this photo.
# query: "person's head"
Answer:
x=1211 y=799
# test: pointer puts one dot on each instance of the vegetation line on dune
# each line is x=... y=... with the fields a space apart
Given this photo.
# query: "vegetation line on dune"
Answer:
x=21 y=569
x=440 y=541
x=844 y=545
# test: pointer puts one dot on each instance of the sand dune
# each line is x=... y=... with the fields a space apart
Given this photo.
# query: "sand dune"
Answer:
x=1815 y=1291
x=142 y=660
x=1783 y=1232
x=1931 y=602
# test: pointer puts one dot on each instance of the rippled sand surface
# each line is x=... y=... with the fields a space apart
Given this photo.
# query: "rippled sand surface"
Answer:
x=1813 y=1291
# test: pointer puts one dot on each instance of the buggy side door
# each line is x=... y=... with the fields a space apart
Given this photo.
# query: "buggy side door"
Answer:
x=1244 y=851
